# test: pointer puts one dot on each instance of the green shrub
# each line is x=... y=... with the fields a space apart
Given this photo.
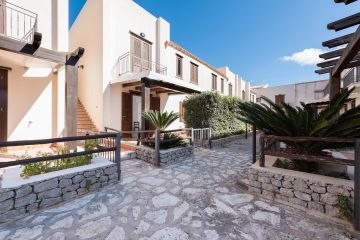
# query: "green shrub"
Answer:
x=32 y=169
x=212 y=110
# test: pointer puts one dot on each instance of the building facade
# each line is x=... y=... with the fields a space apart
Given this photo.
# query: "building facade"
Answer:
x=32 y=100
x=125 y=44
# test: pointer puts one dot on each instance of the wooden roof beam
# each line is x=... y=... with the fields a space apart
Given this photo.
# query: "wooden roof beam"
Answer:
x=345 y=1
x=345 y=22
x=350 y=52
x=338 y=41
x=332 y=63
x=332 y=54
x=330 y=69
x=133 y=84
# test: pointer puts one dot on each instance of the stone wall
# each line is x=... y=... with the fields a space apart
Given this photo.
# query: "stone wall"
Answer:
x=309 y=191
x=15 y=203
x=167 y=156
x=221 y=142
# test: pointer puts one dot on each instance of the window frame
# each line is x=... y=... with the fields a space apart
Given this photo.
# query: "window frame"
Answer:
x=222 y=85
x=194 y=66
x=179 y=66
x=230 y=90
x=213 y=82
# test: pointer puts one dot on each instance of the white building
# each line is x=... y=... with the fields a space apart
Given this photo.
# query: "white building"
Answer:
x=315 y=92
x=124 y=45
x=292 y=94
x=32 y=82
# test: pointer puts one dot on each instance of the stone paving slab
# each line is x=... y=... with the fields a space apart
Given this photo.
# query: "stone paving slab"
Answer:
x=199 y=198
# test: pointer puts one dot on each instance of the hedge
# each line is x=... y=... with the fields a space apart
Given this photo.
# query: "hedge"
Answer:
x=212 y=110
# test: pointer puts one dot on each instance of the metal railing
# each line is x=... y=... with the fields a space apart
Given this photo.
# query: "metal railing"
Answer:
x=134 y=64
x=106 y=145
x=17 y=23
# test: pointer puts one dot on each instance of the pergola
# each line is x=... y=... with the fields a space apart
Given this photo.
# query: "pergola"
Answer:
x=343 y=58
x=69 y=60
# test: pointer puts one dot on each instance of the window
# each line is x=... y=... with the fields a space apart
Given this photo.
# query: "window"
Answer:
x=179 y=66
x=230 y=90
x=252 y=98
x=345 y=107
x=353 y=104
x=279 y=99
x=243 y=95
x=258 y=100
x=194 y=73
x=214 y=82
x=222 y=86
x=181 y=112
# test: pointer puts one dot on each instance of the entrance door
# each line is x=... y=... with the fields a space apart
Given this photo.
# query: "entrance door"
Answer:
x=155 y=106
x=140 y=55
x=3 y=104
x=126 y=123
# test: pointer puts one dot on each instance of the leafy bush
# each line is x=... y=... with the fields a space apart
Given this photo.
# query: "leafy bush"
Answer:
x=286 y=120
x=32 y=169
x=212 y=110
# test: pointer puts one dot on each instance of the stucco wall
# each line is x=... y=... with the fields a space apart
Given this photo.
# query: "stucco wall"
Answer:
x=31 y=114
x=294 y=93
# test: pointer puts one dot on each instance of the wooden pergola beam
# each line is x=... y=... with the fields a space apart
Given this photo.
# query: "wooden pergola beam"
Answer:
x=330 y=69
x=332 y=63
x=133 y=84
x=350 y=52
x=338 y=41
x=332 y=54
x=345 y=22
x=345 y=1
x=15 y=46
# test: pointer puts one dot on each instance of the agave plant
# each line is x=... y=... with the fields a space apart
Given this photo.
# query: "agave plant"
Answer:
x=161 y=120
x=286 y=120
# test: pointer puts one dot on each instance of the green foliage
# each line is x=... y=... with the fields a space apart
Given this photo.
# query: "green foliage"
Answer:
x=172 y=141
x=32 y=169
x=212 y=110
x=286 y=120
x=297 y=165
x=346 y=210
x=161 y=120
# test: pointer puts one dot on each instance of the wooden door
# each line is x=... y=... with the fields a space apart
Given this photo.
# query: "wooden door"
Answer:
x=140 y=55
x=126 y=123
x=3 y=104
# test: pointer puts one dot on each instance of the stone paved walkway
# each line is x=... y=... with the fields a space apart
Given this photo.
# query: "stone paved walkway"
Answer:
x=199 y=198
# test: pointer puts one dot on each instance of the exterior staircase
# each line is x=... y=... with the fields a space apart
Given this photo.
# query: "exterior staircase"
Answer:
x=84 y=122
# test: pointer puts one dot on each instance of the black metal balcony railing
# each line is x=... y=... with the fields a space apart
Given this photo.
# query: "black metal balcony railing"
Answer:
x=16 y=22
x=131 y=63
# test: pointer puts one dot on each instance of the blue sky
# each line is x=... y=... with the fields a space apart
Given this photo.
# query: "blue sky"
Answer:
x=256 y=39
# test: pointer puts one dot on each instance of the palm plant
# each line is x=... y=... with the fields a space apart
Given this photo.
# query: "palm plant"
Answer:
x=161 y=120
x=286 y=120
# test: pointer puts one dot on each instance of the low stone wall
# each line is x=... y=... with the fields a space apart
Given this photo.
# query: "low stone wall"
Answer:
x=16 y=202
x=309 y=191
x=167 y=156
x=221 y=142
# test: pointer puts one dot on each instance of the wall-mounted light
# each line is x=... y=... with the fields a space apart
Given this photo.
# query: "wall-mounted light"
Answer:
x=142 y=35
x=81 y=66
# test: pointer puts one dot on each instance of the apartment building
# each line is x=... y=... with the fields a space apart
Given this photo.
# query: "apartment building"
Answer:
x=35 y=80
x=132 y=65
x=314 y=92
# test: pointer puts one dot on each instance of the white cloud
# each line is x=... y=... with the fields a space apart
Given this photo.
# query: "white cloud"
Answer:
x=308 y=56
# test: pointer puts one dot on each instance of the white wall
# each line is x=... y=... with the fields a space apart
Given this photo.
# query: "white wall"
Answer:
x=172 y=103
x=294 y=93
x=87 y=33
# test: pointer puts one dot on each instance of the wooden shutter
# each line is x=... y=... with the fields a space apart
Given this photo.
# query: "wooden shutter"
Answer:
x=181 y=111
x=2 y=17
x=3 y=104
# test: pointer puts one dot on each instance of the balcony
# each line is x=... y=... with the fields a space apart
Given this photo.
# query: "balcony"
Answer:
x=129 y=63
x=17 y=22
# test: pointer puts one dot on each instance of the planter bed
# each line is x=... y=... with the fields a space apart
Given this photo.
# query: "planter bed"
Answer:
x=167 y=156
x=221 y=142
x=305 y=190
x=20 y=196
